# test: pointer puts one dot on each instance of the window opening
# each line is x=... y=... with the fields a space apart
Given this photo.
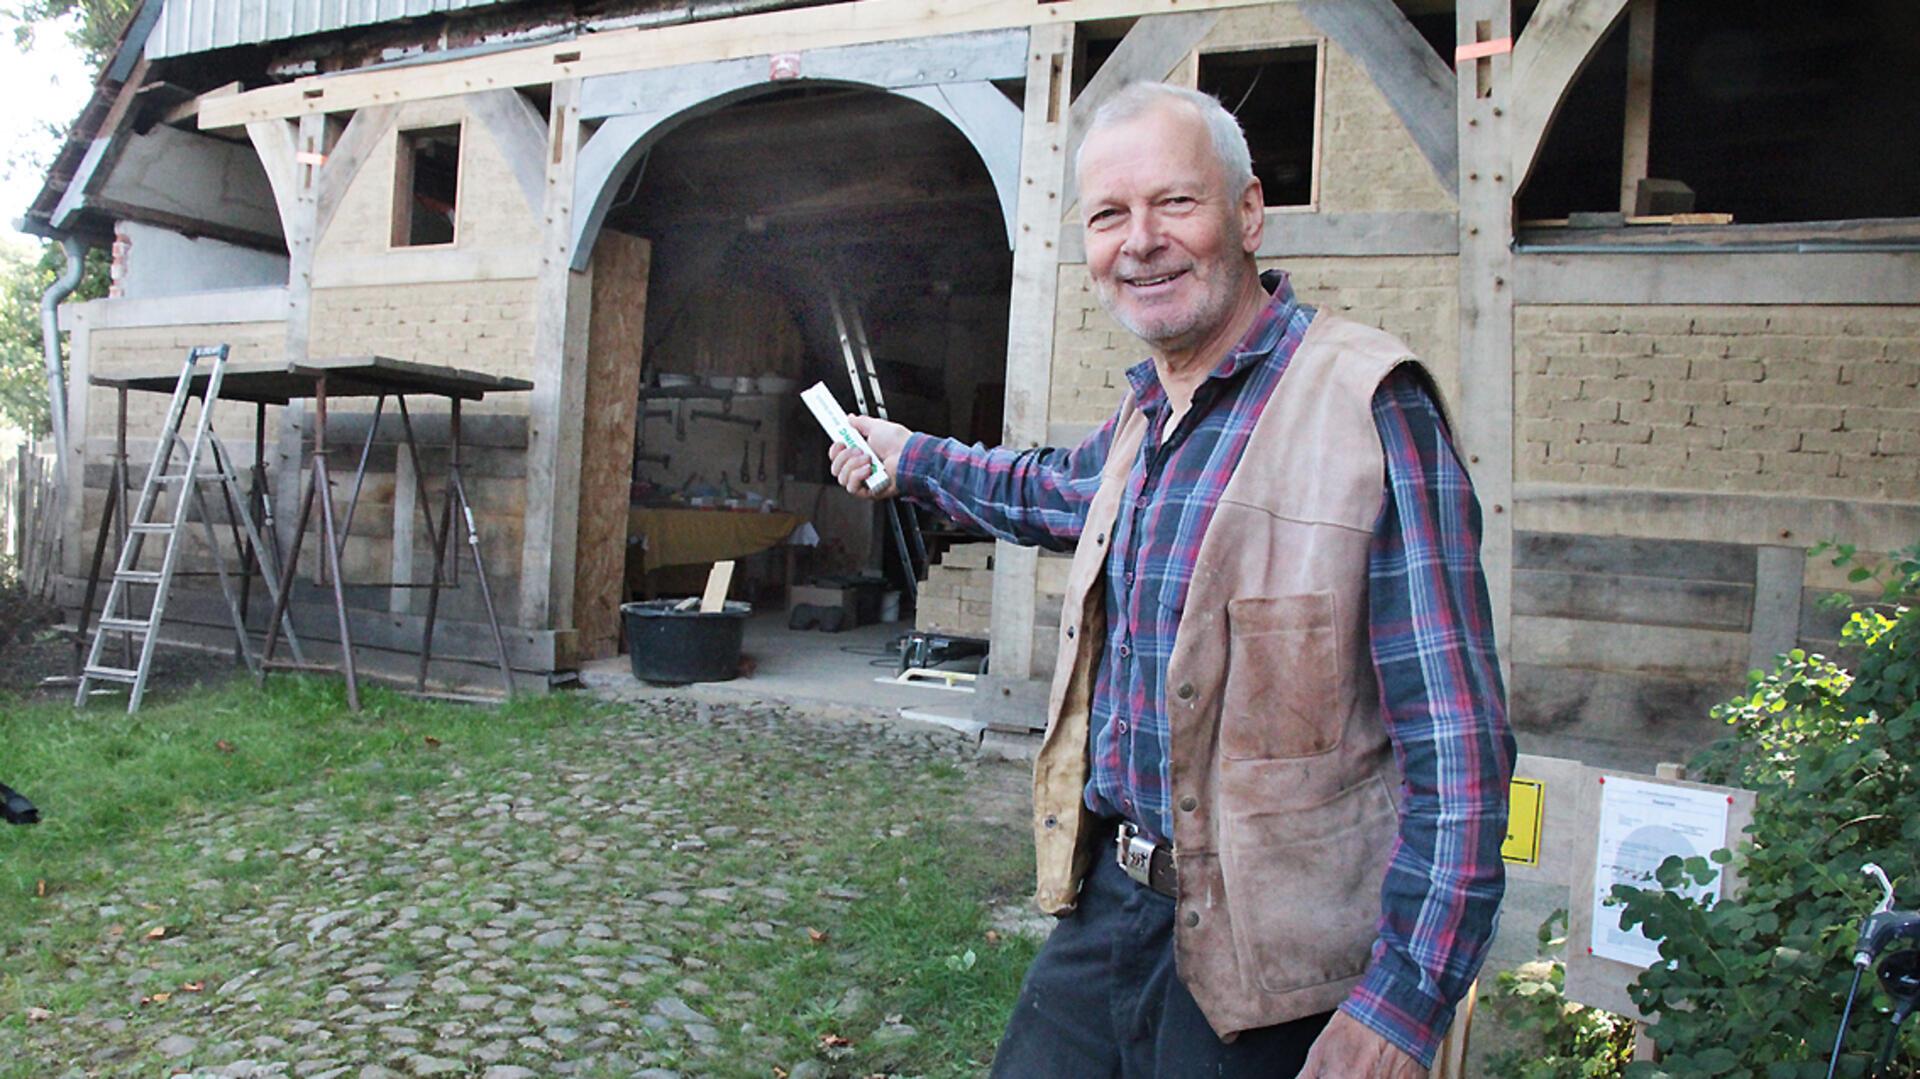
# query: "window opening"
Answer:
x=1275 y=93
x=426 y=186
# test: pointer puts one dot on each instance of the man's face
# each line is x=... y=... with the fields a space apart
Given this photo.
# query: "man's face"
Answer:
x=1167 y=243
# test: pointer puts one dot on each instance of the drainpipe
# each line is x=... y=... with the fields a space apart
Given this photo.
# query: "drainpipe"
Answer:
x=56 y=370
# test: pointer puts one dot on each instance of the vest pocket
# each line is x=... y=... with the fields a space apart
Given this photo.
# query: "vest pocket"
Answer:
x=1303 y=887
x=1281 y=693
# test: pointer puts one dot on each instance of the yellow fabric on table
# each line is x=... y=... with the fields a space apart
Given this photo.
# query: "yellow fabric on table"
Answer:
x=681 y=537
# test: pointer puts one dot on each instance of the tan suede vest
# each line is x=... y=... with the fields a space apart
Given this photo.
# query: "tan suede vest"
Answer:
x=1284 y=786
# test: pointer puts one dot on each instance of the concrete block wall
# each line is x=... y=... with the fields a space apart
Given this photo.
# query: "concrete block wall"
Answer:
x=1768 y=400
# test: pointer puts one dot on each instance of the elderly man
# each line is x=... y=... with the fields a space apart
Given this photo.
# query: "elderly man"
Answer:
x=1269 y=806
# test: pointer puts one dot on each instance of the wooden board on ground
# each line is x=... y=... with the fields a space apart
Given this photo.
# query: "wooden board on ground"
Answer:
x=715 y=597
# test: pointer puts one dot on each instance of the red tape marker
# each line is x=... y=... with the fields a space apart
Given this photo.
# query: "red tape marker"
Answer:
x=1480 y=50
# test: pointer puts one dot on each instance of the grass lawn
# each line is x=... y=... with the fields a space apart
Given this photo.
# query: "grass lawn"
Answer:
x=558 y=885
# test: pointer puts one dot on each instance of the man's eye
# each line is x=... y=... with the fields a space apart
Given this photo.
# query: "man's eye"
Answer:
x=1177 y=200
x=1104 y=217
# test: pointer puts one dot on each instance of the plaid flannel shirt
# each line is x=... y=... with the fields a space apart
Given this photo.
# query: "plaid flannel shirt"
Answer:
x=1431 y=638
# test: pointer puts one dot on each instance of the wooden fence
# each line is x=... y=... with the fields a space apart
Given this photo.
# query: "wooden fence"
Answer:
x=29 y=517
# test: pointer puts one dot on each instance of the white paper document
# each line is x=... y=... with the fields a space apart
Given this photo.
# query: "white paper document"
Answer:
x=1641 y=824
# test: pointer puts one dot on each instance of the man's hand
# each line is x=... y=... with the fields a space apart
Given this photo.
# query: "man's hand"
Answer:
x=851 y=468
x=1348 y=1049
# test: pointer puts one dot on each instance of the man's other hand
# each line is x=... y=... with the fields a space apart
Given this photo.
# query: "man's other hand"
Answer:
x=851 y=467
x=1348 y=1049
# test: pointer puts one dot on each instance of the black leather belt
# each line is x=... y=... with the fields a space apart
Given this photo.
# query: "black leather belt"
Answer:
x=1151 y=864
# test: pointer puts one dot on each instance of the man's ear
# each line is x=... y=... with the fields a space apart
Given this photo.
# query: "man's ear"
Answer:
x=1253 y=216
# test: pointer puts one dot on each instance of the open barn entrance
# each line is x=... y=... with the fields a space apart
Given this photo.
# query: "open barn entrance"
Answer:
x=759 y=215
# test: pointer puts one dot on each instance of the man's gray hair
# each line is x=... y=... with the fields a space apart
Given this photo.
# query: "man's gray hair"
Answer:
x=1137 y=98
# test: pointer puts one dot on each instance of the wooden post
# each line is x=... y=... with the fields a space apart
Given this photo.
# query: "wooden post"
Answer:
x=1633 y=154
x=1486 y=292
x=1036 y=283
x=558 y=400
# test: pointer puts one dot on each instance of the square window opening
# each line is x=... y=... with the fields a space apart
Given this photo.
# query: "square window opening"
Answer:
x=426 y=193
x=1275 y=93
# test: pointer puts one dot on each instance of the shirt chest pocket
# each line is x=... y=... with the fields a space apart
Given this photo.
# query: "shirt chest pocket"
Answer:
x=1283 y=675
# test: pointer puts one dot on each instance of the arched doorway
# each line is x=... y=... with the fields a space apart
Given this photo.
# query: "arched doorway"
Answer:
x=760 y=208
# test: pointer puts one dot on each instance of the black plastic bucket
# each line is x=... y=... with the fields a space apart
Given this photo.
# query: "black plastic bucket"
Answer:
x=677 y=647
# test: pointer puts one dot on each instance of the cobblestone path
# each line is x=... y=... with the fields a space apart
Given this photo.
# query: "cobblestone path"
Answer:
x=663 y=890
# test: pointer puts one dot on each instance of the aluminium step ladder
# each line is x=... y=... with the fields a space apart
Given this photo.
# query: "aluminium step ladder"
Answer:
x=902 y=519
x=118 y=617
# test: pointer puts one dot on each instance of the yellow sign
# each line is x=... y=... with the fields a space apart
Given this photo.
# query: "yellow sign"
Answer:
x=1526 y=808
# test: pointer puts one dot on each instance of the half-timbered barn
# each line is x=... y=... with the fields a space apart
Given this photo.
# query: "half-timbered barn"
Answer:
x=1664 y=259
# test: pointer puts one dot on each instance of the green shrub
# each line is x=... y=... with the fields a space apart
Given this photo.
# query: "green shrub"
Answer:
x=1754 y=985
x=1559 y=1038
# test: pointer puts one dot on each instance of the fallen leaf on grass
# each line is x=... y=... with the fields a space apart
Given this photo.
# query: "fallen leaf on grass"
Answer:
x=818 y=936
x=38 y=1015
x=223 y=746
x=192 y=987
x=157 y=932
x=779 y=1072
x=157 y=998
x=835 y=1041
x=432 y=742
x=116 y=930
x=993 y=936
x=40 y=888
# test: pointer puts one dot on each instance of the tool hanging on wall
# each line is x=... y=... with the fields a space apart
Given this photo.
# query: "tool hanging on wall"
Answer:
x=746 y=461
x=762 y=475
x=902 y=520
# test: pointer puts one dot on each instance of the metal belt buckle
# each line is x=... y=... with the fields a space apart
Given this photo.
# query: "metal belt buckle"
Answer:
x=1134 y=854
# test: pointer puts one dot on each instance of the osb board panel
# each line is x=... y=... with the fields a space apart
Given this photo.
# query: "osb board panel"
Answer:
x=1810 y=400
x=1368 y=161
x=615 y=330
x=1413 y=297
x=492 y=211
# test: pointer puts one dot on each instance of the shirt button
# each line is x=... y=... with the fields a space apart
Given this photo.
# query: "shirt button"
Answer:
x=1141 y=502
x=1069 y=632
x=1129 y=576
x=1127 y=802
x=1185 y=691
x=1192 y=918
x=1189 y=803
x=1121 y=726
x=1125 y=651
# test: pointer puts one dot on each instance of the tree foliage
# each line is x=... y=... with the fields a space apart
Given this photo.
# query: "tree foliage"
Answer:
x=25 y=276
x=1754 y=985
x=96 y=24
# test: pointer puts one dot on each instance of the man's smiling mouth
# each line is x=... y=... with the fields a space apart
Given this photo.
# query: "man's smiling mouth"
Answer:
x=1154 y=281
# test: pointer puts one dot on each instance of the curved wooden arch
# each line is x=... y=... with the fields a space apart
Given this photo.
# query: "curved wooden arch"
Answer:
x=952 y=76
x=1555 y=48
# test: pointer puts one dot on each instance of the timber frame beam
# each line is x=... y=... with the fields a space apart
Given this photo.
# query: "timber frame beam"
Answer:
x=770 y=33
x=1559 y=41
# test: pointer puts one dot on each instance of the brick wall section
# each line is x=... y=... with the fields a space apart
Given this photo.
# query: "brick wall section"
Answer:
x=1773 y=400
x=478 y=325
x=1411 y=297
x=957 y=596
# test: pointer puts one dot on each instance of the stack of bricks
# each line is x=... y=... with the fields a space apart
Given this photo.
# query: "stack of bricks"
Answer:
x=957 y=596
x=1812 y=401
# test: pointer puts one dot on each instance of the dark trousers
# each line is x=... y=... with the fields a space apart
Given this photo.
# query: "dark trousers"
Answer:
x=1102 y=1001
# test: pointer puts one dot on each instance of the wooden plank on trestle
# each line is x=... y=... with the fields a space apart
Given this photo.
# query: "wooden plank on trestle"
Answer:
x=1151 y=49
x=1030 y=320
x=556 y=403
x=1484 y=104
x=1404 y=68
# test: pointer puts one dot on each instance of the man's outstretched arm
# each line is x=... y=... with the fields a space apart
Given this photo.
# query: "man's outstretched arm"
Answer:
x=1033 y=497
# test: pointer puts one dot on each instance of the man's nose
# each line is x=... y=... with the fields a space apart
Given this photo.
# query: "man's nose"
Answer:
x=1144 y=238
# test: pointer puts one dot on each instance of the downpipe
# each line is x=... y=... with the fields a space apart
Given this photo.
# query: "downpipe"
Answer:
x=69 y=280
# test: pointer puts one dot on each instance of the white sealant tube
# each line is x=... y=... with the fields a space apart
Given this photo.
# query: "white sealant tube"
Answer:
x=833 y=420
